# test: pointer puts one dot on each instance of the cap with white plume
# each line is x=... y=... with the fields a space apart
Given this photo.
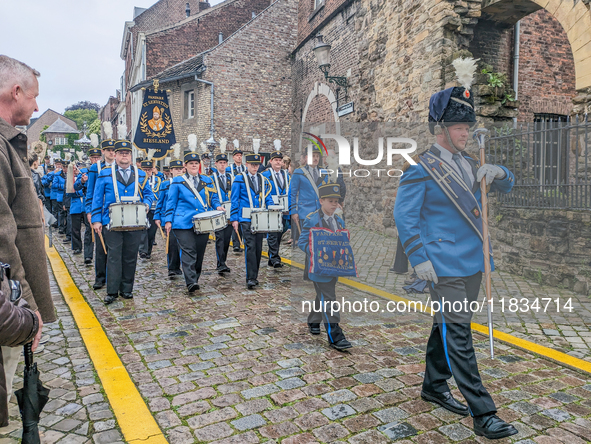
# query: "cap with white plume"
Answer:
x=176 y=151
x=151 y=153
x=94 y=140
x=192 y=139
x=277 y=144
x=236 y=144
x=108 y=129
x=223 y=143
x=68 y=156
x=256 y=145
x=122 y=131
x=203 y=147
x=465 y=70
x=79 y=154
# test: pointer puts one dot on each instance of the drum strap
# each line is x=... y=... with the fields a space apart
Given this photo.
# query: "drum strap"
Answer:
x=275 y=181
x=261 y=200
x=307 y=174
x=116 y=188
x=189 y=182
x=217 y=184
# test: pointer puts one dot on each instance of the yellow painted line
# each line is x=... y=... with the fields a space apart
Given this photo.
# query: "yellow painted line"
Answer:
x=134 y=418
x=524 y=344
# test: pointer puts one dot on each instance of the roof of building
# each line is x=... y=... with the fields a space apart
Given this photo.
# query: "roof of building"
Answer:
x=59 y=126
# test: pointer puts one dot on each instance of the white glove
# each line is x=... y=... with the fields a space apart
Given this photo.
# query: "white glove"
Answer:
x=425 y=271
x=491 y=172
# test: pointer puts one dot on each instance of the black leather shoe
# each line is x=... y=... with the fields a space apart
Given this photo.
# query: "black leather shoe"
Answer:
x=192 y=288
x=171 y=273
x=143 y=255
x=98 y=286
x=341 y=345
x=126 y=295
x=256 y=282
x=314 y=329
x=277 y=265
x=148 y=256
x=178 y=272
x=447 y=401
x=251 y=284
x=77 y=252
x=110 y=298
x=492 y=427
x=88 y=261
x=237 y=250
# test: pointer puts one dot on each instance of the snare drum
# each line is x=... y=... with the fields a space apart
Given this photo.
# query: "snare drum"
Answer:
x=281 y=200
x=267 y=220
x=127 y=216
x=209 y=222
x=228 y=207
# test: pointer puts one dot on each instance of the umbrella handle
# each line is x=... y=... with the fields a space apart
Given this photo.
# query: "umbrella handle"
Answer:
x=28 y=355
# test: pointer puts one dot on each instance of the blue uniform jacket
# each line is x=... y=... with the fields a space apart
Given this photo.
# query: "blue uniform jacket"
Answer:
x=57 y=187
x=47 y=180
x=303 y=200
x=182 y=204
x=282 y=190
x=240 y=197
x=231 y=169
x=162 y=198
x=432 y=228
x=93 y=174
x=315 y=219
x=223 y=195
x=104 y=194
x=155 y=188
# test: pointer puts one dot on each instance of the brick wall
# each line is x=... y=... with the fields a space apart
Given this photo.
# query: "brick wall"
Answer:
x=108 y=114
x=172 y=46
x=47 y=118
x=309 y=18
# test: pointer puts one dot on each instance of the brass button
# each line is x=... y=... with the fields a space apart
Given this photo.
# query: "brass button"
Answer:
x=439 y=240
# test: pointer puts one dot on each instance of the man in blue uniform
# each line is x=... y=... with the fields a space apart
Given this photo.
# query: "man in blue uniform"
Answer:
x=233 y=170
x=57 y=195
x=46 y=181
x=250 y=190
x=78 y=217
x=223 y=184
x=279 y=180
x=154 y=182
x=438 y=216
x=189 y=195
x=174 y=258
x=325 y=286
x=100 y=261
x=123 y=246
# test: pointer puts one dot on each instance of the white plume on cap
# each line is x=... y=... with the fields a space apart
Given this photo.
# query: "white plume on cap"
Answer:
x=236 y=144
x=256 y=144
x=277 y=144
x=465 y=70
x=94 y=140
x=122 y=130
x=68 y=156
x=151 y=153
x=223 y=143
x=176 y=151
x=167 y=161
x=108 y=129
x=203 y=147
x=192 y=138
x=79 y=154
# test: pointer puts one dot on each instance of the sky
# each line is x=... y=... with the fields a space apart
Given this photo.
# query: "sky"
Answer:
x=74 y=44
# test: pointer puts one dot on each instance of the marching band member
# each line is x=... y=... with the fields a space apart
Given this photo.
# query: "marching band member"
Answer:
x=250 y=190
x=174 y=258
x=188 y=196
x=78 y=217
x=57 y=195
x=46 y=181
x=108 y=151
x=123 y=246
x=154 y=182
x=325 y=286
x=233 y=170
x=279 y=180
x=439 y=222
x=223 y=185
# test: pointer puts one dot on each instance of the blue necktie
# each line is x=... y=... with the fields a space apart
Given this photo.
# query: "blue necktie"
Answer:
x=456 y=158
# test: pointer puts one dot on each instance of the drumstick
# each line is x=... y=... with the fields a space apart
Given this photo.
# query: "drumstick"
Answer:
x=167 y=238
x=162 y=232
x=239 y=239
x=102 y=242
x=92 y=234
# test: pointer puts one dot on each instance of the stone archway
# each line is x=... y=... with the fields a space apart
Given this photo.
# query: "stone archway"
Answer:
x=574 y=16
x=321 y=89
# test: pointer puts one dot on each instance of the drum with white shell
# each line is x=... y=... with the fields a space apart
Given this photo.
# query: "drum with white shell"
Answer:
x=209 y=222
x=266 y=220
x=127 y=216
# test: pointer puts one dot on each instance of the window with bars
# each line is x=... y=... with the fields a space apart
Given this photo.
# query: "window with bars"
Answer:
x=550 y=148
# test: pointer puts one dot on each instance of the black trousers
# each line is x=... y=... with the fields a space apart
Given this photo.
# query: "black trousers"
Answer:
x=193 y=247
x=450 y=350
x=149 y=235
x=235 y=240
x=100 y=261
x=326 y=292
x=174 y=253
x=47 y=203
x=400 y=260
x=253 y=250
x=274 y=242
x=77 y=221
x=68 y=222
x=121 y=259
x=222 y=244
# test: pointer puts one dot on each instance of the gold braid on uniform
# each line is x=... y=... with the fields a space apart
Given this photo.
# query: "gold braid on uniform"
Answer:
x=407 y=165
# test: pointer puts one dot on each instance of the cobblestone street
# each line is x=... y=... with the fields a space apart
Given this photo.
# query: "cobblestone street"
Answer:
x=231 y=365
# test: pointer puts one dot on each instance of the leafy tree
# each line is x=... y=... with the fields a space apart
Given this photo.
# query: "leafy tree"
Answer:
x=82 y=115
x=94 y=127
x=42 y=136
x=84 y=105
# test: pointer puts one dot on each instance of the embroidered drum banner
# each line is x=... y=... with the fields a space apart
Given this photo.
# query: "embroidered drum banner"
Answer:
x=331 y=253
x=155 y=130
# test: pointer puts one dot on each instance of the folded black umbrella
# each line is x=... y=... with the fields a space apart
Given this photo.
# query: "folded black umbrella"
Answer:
x=31 y=399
